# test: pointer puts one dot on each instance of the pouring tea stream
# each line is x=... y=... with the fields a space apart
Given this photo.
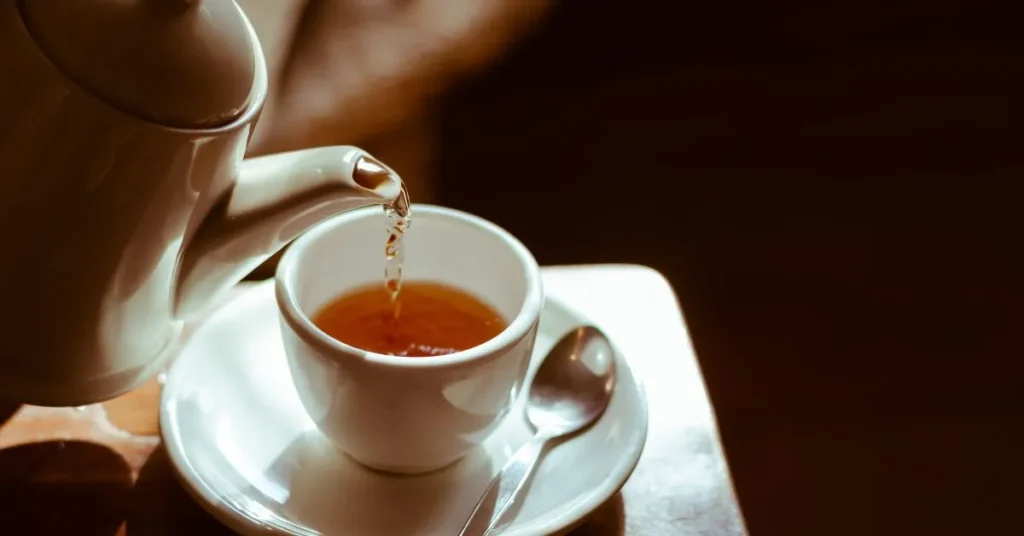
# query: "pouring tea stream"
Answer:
x=127 y=203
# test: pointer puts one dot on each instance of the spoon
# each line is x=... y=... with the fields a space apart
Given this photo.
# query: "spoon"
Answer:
x=570 y=390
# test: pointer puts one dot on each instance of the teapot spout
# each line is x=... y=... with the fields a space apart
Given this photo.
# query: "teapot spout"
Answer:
x=274 y=199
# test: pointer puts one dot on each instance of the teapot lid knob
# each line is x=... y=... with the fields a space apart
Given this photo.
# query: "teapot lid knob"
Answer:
x=179 y=63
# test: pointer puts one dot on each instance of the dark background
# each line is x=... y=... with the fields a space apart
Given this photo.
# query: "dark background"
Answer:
x=832 y=189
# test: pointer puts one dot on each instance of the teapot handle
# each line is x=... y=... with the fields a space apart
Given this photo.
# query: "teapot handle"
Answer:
x=274 y=199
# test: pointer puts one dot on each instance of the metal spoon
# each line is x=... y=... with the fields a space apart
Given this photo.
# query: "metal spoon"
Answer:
x=570 y=390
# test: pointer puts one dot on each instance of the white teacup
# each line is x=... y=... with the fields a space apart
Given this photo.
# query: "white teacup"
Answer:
x=408 y=414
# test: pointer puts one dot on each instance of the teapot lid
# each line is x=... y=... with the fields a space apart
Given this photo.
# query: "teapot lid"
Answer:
x=179 y=63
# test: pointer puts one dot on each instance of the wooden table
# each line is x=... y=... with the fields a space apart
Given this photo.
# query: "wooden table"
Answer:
x=100 y=470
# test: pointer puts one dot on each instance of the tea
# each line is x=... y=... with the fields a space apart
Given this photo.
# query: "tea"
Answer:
x=435 y=319
x=415 y=320
x=396 y=220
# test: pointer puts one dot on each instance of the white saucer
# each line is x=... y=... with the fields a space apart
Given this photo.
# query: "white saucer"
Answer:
x=245 y=449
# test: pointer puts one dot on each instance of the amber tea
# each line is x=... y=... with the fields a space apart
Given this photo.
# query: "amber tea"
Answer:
x=435 y=319
x=418 y=319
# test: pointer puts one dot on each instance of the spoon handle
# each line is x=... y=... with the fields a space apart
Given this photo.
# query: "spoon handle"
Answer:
x=504 y=488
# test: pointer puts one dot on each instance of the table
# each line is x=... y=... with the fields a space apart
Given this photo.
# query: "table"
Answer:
x=101 y=470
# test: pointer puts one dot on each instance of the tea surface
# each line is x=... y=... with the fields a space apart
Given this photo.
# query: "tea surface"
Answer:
x=431 y=319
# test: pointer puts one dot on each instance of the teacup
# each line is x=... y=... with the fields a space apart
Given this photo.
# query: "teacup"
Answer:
x=408 y=414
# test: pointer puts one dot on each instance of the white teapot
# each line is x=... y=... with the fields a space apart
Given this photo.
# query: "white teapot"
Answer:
x=123 y=190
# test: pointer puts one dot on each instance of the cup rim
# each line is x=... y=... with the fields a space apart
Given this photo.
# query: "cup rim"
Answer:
x=301 y=323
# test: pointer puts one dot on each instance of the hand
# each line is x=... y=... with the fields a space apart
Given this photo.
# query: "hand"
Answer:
x=360 y=68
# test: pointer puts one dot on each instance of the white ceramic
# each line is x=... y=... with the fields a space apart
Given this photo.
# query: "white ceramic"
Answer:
x=403 y=414
x=123 y=193
x=180 y=63
x=246 y=450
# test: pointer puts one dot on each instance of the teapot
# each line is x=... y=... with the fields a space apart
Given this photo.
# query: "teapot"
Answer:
x=126 y=200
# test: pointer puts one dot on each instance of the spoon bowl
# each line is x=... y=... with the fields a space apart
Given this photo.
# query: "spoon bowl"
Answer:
x=573 y=385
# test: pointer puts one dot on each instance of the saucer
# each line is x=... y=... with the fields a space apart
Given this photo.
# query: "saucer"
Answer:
x=245 y=449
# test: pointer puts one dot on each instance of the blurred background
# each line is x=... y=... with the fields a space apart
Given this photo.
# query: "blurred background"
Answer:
x=831 y=188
